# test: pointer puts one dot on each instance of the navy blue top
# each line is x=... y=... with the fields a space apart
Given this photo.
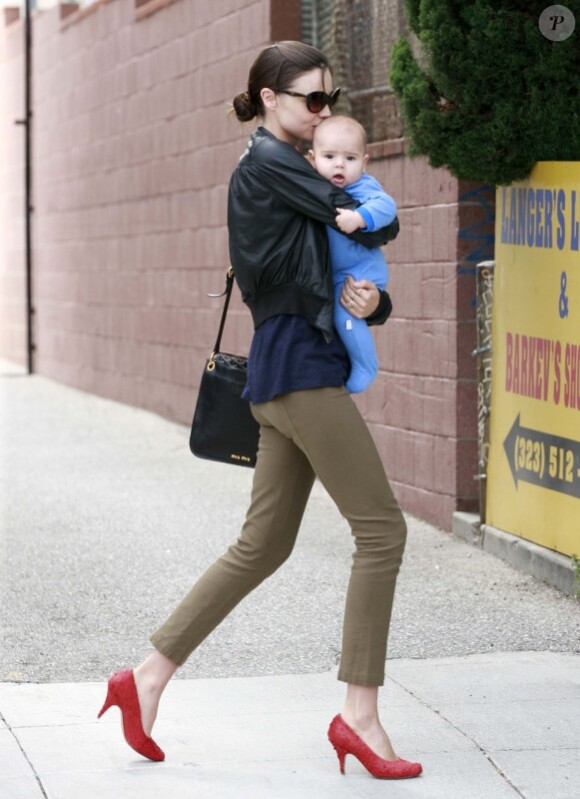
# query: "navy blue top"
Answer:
x=288 y=354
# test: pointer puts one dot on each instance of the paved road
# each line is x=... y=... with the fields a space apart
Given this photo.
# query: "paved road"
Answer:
x=107 y=519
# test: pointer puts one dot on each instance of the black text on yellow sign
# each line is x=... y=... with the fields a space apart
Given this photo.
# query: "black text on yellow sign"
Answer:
x=543 y=459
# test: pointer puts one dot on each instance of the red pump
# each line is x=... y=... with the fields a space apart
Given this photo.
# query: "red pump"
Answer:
x=347 y=742
x=122 y=692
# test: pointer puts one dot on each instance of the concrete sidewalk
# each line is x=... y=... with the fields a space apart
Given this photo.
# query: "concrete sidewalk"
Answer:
x=484 y=727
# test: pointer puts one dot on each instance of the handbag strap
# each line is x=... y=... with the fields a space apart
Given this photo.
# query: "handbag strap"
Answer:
x=228 y=294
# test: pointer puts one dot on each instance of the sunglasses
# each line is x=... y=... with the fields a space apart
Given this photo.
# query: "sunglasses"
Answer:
x=315 y=101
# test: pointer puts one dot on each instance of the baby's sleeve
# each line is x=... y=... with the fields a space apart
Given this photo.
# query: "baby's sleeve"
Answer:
x=377 y=208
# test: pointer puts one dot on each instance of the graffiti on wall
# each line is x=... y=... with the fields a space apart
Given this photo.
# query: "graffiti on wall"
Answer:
x=480 y=234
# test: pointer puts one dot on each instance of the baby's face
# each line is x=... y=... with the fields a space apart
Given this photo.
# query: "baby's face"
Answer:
x=338 y=155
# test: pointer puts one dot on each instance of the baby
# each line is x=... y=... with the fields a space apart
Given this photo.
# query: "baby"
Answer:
x=338 y=154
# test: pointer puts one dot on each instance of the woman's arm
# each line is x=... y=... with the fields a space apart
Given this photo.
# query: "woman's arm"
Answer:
x=295 y=182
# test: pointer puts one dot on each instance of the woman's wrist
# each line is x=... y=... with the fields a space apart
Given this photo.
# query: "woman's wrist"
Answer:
x=383 y=310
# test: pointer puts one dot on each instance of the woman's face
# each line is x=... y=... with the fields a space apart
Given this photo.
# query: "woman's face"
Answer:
x=287 y=117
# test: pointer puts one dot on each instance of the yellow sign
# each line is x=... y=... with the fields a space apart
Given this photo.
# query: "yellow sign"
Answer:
x=533 y=487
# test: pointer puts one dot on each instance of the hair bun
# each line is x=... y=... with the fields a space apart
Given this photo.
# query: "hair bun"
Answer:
x=244 y=108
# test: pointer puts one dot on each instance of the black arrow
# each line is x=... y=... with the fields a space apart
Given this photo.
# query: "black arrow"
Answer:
x=543 y=459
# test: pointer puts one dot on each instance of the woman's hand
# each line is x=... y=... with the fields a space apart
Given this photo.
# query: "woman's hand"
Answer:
x=359 y=297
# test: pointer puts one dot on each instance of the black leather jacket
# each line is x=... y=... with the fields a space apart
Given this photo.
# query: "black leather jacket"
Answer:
x=278 y=207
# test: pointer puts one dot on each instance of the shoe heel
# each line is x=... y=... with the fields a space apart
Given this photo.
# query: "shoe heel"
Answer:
x=109 y=702
x=341 y=754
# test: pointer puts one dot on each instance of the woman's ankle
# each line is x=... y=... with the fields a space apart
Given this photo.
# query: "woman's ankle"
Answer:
x=361 y=706
x=153 y=674
x=360 y=720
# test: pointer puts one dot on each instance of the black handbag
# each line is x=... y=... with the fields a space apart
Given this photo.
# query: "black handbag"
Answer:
x=223 y=427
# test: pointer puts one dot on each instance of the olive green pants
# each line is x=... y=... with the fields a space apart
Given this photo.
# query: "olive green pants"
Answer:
x=321 y=433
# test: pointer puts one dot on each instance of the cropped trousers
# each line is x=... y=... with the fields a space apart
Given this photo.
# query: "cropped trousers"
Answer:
x=318 y=432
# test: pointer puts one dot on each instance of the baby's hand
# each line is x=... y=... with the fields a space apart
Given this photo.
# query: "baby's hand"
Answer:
x=348 y=221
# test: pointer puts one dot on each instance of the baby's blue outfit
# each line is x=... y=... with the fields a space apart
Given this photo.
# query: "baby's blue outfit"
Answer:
x=349 y=258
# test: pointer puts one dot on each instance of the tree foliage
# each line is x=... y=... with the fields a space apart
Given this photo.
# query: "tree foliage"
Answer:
x=491 y=95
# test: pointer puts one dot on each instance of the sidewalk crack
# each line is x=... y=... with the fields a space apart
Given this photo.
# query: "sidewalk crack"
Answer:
x=28 y=760
x=487 y=756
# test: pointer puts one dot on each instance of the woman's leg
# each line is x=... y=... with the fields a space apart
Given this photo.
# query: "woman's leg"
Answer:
x=361 y=713
x=282 y=483
x=151 y=678
x=327 y=426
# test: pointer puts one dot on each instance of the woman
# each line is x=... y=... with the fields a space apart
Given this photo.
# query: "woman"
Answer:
x=278 y=207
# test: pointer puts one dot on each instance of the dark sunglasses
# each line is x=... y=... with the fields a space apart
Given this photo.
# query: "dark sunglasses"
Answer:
x=315 y=101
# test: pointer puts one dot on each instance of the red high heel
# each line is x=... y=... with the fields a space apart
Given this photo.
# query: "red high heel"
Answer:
x=122 y=692
x=347 y=742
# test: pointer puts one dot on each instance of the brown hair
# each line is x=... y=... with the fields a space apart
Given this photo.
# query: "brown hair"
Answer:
x=276 y=67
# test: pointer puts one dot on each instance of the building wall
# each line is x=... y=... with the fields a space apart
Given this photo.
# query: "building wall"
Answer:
x=133 y=148
x=423 y=406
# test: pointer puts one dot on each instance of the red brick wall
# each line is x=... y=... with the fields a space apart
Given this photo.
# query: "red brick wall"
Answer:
x=422 y=408
x=133 y=149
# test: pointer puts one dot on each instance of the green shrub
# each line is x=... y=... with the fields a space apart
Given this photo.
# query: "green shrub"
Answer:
x=492 y=95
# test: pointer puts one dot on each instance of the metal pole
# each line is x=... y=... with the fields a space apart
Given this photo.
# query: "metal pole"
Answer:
x=28 y=183
x=485 y=272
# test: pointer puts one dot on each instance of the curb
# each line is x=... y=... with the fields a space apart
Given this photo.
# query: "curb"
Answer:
x=543 y=564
